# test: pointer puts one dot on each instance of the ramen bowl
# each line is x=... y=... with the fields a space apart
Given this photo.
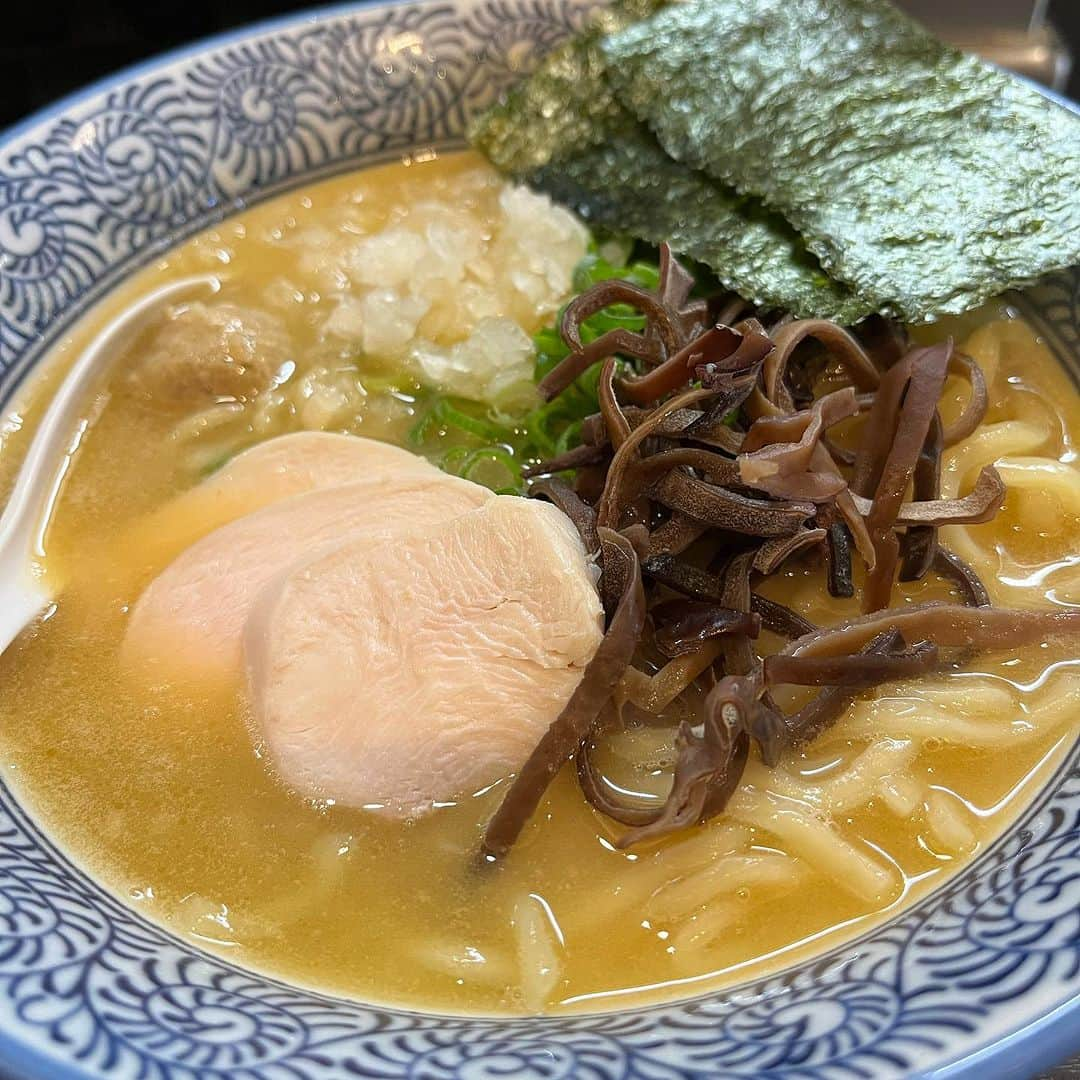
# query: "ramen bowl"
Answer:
x=981 y=976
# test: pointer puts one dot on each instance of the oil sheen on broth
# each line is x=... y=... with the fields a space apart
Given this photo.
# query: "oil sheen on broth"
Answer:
x=159 y=790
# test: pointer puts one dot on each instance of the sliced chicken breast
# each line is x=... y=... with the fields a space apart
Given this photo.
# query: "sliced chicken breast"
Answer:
x=272 y=470
x=417 y=671
x=290 y=464
x=190 y=617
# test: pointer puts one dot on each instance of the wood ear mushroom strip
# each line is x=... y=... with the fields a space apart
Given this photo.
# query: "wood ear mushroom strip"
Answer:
x=707 y=471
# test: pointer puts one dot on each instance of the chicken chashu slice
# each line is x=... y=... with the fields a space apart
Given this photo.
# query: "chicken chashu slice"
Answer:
x=189 y=620
x=264 y=474
x=404 y=674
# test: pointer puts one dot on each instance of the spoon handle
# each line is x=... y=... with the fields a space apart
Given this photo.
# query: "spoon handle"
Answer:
x=23 y=590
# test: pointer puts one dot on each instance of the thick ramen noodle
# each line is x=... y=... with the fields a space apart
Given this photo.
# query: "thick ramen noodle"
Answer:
x=368 y=290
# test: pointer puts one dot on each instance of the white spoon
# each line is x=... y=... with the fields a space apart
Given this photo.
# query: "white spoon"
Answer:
x=24 y=593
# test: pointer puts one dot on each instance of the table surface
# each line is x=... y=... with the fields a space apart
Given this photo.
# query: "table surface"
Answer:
x=1070 y=1071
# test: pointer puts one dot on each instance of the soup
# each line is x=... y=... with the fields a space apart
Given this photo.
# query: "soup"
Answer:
x=382 y=285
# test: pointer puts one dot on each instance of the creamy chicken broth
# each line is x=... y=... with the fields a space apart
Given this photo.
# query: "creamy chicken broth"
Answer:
x=154 y=781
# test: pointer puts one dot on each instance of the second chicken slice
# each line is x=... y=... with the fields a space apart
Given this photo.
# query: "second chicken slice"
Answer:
x=410 y=672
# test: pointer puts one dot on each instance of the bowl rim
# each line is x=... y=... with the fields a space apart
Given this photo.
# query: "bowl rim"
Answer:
x=1041 y=1041
x=319 y=13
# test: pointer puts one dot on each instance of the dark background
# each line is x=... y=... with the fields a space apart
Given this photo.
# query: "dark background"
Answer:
x=67 y=44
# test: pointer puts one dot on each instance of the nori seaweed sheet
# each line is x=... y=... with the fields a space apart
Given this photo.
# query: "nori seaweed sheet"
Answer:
x=923 y=178
x=563 y=131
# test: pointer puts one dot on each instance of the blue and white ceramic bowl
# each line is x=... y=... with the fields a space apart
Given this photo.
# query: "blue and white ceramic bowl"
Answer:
x=982 y=978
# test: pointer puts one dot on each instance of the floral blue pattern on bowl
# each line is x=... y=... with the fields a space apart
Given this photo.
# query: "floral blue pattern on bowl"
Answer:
x=981 y=977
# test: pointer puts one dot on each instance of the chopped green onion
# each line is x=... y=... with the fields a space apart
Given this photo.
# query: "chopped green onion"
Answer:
x=569 y=438
x=453 y=459
x=479 y=462
x=594 y=268
x=490 y=447
x=219 y=461
x=443 y=414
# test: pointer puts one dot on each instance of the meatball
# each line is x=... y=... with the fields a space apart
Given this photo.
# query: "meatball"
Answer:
x=203 y=353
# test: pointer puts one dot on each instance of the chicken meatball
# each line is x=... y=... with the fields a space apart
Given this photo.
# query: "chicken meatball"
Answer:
x=204 y=353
